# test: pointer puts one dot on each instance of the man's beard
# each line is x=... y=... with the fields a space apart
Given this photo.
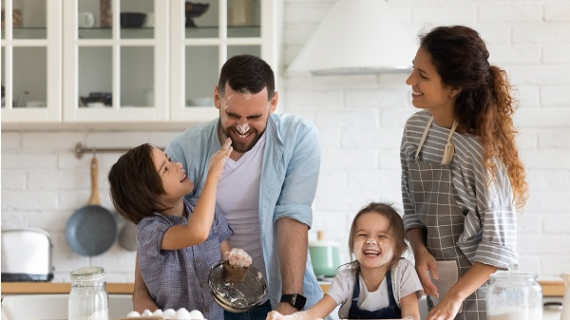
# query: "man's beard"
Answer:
x=240 y=146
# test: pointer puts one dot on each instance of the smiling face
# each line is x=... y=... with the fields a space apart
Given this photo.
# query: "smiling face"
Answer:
x=243 y=116
x=373 y=240
x=428 y=92
x=175 y=182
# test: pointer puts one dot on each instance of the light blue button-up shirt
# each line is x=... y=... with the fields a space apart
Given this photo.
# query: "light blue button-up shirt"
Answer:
x=289 y=177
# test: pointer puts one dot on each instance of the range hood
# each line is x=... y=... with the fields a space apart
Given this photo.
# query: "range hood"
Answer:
x=358 y=37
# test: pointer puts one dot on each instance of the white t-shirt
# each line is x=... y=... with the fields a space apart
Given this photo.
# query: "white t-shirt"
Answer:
x=238 y=199
x=404 y=282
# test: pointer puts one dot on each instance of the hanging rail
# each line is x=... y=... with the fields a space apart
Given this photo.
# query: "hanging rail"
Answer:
x=80 y=150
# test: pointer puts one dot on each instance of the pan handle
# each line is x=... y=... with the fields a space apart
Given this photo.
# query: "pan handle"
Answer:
x=94 y=199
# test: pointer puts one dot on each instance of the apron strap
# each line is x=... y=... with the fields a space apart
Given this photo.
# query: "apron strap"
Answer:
x=426 y=130
x=449 y=147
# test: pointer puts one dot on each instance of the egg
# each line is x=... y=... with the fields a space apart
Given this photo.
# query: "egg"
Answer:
x=169 y=314
x=146 y=313
x=133 y=314
x=196 y=315
x=182 y=313
x=157 y=313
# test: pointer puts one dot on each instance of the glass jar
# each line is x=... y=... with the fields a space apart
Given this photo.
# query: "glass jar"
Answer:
x=514 y=295
x=88 y=299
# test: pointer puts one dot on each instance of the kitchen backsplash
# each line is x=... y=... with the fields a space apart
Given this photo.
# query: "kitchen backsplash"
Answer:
x=360 y=120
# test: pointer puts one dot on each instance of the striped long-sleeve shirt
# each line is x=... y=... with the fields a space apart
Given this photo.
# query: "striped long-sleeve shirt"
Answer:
x=489 y=234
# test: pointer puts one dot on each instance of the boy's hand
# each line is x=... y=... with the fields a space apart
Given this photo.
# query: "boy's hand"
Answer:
x=218 y=159
x=238 y=258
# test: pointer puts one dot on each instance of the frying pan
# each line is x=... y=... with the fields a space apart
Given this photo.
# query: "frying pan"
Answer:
x=92 y=229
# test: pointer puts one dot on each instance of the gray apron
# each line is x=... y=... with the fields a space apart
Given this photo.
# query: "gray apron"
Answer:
x=434 y=199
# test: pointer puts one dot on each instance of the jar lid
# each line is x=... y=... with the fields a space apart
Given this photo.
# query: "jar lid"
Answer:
x=513 y=274
x=88 y=273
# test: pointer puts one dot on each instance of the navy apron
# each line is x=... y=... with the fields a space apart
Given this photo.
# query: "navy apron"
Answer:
x=390 y=312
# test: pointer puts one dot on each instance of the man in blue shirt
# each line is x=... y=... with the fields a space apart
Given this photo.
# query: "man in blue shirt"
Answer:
x=268 y=184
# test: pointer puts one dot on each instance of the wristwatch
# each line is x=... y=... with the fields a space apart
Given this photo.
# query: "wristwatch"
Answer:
x=296 y=300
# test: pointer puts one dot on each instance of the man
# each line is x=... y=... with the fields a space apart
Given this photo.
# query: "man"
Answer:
x=267 y=187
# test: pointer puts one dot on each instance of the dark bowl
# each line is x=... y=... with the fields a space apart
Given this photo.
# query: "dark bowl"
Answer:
x=132 y=19
x=194 y=10
x=104 y=97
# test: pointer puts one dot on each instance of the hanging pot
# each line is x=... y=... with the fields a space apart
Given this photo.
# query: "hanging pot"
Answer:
x=92 y=229
x=128 y=236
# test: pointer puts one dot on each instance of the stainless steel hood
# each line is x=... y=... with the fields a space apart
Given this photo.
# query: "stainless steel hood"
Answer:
x=358 y=37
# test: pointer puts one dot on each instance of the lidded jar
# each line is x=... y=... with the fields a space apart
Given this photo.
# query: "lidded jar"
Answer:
x=514 y=295
x=88 y=299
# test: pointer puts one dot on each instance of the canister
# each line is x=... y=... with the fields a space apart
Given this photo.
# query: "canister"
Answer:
x=324 y=256
x=88 y=298
x=514 y=295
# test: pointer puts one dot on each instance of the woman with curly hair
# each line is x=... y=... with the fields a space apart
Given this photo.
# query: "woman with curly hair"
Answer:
x=462 y=178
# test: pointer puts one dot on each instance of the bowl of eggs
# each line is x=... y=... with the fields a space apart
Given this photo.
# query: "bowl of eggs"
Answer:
x=181 y=314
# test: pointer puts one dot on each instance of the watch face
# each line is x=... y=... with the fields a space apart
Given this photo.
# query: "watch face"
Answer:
x=300 y=301
x=296 y=300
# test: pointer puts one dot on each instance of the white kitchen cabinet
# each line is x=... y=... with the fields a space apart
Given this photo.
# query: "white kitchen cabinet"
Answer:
x=163 y=72
x=31 y=92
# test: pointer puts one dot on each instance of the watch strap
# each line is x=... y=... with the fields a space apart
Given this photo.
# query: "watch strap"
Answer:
x=296 y=300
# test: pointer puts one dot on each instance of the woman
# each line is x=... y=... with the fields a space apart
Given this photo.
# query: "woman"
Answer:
x=462 y=178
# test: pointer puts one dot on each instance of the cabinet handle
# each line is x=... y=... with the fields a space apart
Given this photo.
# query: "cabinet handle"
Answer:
x=553 y=306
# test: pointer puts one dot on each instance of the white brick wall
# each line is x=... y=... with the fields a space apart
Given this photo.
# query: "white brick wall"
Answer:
x=360 y=119
x=529 y=39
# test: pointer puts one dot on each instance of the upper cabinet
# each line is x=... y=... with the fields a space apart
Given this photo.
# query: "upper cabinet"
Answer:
x=154 y=61
x=31 y=61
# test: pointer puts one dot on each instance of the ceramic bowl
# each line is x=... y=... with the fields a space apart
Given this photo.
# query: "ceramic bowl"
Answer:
x=132 y=19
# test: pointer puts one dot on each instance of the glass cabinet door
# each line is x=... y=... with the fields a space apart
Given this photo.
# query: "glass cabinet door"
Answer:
x=31 y=61
x=204 y=35
x=116 y=64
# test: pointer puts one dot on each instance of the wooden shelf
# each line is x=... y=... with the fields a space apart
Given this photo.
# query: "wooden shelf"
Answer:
x=549 y=288
x=552 y=288
x=49 y=287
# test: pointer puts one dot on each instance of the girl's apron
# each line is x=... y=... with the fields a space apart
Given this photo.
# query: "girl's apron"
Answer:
x=390 y=312
x=433 y=196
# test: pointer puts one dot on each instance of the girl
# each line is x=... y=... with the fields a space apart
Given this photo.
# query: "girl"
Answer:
x=378 y=284
x=461 y=174
x=178 y=240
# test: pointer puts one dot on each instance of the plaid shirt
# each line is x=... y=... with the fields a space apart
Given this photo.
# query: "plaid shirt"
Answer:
x=179 y=278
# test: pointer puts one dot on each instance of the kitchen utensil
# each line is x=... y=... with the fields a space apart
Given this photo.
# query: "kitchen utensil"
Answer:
x=26 y=255
x=91 y=230
x=128 y=236
x=513 y=295
x=324 y=256
x=236 y=289
x=194 y=10
x=566 y=302
x=132 y=19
